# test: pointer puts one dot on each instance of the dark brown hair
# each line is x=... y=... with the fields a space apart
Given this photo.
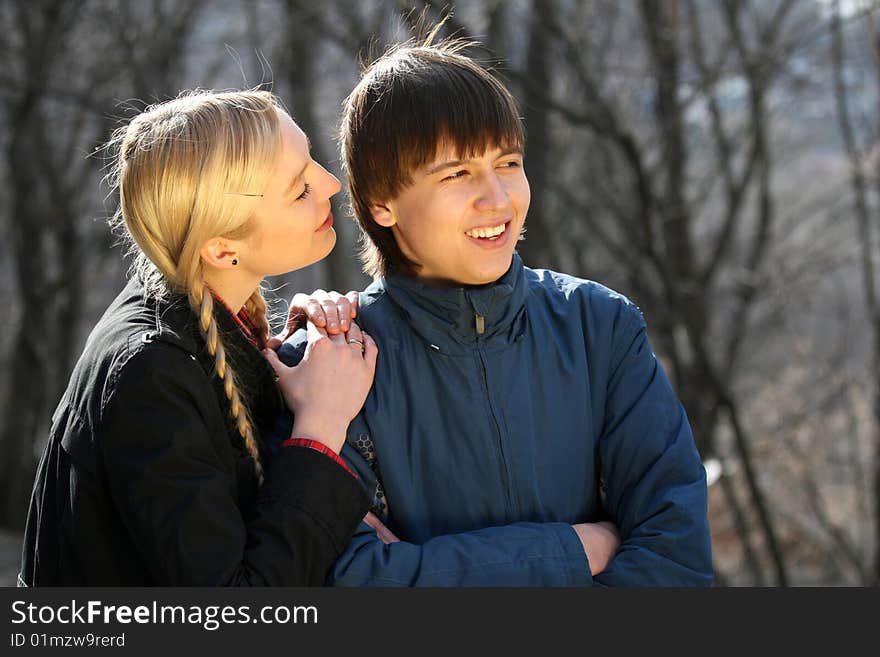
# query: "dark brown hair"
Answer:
x=409 y=101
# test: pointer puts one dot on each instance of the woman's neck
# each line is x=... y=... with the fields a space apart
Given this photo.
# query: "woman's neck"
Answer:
x=234 y=287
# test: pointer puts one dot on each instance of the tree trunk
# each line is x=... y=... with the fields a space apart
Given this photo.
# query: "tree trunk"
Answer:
x=538 y=246
x=28 y=377
x=300 y=59
x=864 y=229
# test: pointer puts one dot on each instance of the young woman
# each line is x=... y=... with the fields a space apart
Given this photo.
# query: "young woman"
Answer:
x=155 y=472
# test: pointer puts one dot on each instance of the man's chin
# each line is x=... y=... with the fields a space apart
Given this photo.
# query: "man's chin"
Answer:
x=491 y=275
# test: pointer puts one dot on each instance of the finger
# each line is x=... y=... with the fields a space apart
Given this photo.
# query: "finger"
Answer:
x=274 y=342
x=315 y=333
x=275 y=362
x=331 y=315
x=385 y=534
x=371 y=352
x=304 y=307
x=293 y=323
x=372 y=520
x=355 y=337
x=337 y=338
x=343 y=308
x=354 y=299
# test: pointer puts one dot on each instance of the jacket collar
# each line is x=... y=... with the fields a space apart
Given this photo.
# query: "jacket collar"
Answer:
x=449 y=318
x=176 y=323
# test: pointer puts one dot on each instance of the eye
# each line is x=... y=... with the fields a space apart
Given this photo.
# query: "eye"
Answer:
x=454 y=176
x=306 y=191
x=511 y=164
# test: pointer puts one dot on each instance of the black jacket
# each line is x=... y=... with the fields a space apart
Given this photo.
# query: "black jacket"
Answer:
x=145 y=480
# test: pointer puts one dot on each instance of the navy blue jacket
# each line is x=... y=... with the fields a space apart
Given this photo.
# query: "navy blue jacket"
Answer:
x=481 y=449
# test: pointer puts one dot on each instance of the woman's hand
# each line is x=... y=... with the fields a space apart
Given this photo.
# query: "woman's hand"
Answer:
x=330 y=311
x=328 y=387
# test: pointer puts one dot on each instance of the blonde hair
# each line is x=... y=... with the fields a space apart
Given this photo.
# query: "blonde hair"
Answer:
x=187 y=170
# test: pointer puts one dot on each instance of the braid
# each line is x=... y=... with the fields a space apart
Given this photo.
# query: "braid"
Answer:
x=256 y=309
x=202 y=303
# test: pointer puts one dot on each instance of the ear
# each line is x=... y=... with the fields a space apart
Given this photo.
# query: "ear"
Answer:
x=382 y=215
x=219 y=253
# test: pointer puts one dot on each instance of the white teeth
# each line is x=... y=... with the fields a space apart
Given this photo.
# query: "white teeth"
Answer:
x=487 y=232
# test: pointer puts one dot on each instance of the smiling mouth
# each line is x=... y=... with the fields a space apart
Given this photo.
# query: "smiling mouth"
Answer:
x=327 y=223
x=489 y=233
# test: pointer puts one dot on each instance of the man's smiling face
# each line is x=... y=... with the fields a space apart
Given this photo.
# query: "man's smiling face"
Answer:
x=461 y=217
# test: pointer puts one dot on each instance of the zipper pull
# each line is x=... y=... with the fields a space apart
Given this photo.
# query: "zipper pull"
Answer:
x=480 y=322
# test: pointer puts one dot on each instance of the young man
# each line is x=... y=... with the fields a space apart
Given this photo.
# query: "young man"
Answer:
x=515 y=411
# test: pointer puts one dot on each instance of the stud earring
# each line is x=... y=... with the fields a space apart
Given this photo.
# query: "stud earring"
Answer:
x=234 y=261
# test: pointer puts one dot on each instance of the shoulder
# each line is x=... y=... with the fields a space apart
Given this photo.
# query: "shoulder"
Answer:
x=124 y=367
x=373 y=302
x=138 y=342
x=154 y=393
x=150 y=359
x=595 y=302
x=143 y=372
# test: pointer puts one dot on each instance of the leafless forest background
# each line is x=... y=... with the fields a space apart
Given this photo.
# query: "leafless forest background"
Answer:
x=715 y=160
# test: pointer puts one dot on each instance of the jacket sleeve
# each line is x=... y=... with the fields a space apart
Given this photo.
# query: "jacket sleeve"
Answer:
x=655 y=483
x=177 y=498
x=521 y=554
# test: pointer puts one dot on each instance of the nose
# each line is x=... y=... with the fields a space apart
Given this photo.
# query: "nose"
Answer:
x=493 y=195
x=329 y=182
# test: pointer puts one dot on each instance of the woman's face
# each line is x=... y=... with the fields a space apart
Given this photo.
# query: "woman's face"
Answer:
x=292 y=223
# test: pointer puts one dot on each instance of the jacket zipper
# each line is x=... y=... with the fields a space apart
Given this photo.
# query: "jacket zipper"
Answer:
x=479 y=322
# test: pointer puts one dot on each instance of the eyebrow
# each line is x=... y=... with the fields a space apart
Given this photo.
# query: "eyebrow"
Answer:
x=455 y=163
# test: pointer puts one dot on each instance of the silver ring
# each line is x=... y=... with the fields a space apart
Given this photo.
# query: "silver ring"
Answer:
x=356 y=341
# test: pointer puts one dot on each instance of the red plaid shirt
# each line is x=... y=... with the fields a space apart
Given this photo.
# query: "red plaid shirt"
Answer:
x=245 y=323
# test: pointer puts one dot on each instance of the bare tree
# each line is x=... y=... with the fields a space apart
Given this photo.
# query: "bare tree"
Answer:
x=857 y=157
x=57 y=113
x=45 y=242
